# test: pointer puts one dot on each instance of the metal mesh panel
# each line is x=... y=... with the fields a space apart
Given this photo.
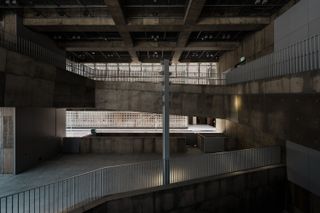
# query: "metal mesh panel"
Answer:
x=110 y=119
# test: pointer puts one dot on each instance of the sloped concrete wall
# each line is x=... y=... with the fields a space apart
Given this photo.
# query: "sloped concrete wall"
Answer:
x=259 y=191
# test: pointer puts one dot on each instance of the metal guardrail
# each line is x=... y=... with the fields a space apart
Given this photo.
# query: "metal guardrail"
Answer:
x=80 y=69
x=32 y=49
x=69 y=193
x=181 y=74
x=300 y=57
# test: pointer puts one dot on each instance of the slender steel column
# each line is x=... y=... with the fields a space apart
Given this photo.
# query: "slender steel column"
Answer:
x=165 y=122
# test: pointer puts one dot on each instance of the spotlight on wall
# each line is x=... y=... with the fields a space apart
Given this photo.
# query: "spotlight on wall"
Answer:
x=257 y=2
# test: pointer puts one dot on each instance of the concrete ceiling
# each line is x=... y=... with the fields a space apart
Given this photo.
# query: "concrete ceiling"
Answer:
x=146 y=30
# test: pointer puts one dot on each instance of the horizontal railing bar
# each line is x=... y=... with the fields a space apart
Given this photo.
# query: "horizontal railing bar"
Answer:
x=93 y=185
x=299 y=57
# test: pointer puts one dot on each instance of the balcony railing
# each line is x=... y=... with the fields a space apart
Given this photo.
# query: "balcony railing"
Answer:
x=300 y=57
x=32 y=49
x=199 y=74
x=69 y=193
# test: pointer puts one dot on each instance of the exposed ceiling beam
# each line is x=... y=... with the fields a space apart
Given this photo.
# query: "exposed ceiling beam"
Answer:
x=47 y=6
x=65 y=21
x=119 y=19
x=193 y=11
x=106 y=24
x=233 y=20
x=146 y=46
x=191 y=17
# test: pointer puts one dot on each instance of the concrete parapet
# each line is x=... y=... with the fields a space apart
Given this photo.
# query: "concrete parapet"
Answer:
x=228 y=193
x=124 y=144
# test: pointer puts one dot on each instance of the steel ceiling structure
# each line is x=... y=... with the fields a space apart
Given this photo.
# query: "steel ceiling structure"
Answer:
x=145 y=30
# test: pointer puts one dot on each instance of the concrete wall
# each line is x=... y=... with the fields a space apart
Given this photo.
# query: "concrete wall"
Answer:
x=38 y=137
x=300 y=200
x=71 y=90
x=277 y=118
x=246 y=136
x=27 y=82
x=13 y=26
x=130 y=144
x=303 y=167
x=292 y=23
x=298 y=23
x=260 y=191
x=253 y=46
x=192 y=100
x=259 y=113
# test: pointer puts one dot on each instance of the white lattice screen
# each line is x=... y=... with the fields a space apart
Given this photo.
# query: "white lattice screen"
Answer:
x=109 y=119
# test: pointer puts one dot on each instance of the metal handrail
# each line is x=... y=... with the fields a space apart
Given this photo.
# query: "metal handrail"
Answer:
x=149 y=73
x=64 y=195
x=27 y=47
x=299 y=57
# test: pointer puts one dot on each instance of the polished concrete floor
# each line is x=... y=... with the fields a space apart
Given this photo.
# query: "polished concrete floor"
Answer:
x=65 y=166
x=190 y=129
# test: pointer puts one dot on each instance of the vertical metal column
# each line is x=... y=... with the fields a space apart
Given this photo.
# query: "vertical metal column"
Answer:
x=165 y=122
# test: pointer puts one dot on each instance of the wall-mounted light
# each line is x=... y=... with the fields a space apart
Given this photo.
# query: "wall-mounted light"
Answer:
x=237 y=102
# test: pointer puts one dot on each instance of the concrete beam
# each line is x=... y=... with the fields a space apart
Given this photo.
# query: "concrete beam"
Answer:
x=65 y=21
x=193 y=11
x=145 y=46
x=191 y=17
x=119 y=19
x=234 y=21
x=106 y=24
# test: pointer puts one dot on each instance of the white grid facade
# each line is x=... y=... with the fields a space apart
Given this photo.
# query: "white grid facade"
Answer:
x=110 y=119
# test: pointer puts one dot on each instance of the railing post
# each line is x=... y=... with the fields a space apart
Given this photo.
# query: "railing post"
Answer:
x=165 y=123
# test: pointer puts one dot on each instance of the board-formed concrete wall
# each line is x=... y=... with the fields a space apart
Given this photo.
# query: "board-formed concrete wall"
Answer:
x=192 y=100
x=300 y=22
x=26 y=82
x=253 y=46
x=38 y=137
x=132 y=144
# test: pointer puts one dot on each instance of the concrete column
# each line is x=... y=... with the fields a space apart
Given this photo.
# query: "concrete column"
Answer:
x=7 y=140
x=10 y=27
x=194 y=120
x=165 y=122
x=220 y=125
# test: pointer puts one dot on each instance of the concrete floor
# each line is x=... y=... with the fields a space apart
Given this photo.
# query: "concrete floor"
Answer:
x=66 y=166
